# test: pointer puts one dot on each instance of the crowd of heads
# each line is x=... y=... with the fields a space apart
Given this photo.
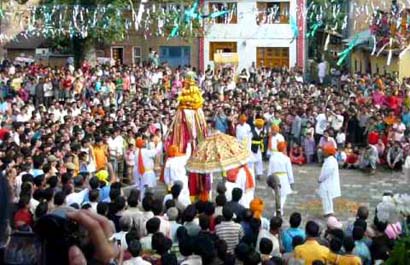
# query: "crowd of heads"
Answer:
x=65 y=135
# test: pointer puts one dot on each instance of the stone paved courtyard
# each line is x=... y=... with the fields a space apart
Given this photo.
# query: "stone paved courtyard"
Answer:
x=357 y=189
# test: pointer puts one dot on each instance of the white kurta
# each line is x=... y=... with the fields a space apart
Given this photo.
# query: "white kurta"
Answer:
x=247 y=194
x=149 y=178
x=274 y=140
x=329 y=187
x=244 y=134
x=175 y=171
x=280 y=163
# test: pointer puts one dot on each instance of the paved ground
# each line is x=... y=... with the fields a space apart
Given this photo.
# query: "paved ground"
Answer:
x=357 y=189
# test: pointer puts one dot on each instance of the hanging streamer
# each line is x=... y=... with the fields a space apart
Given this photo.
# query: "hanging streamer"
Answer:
x=294 y=27
x=389 y=57
x=343 y=55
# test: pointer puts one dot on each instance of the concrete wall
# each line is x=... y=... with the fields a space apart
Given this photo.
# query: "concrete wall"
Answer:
x=248 y=35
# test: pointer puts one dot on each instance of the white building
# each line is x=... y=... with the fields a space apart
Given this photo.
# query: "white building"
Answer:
x=257 y=30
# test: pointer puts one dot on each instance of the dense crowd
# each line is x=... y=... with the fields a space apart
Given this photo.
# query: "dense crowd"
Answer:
x=68 y=138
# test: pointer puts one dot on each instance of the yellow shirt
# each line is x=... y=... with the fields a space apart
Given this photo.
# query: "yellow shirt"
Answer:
x=311 y=251
x=101 y=158
x=349 y=260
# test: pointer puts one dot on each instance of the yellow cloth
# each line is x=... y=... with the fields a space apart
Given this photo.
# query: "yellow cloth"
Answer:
x=311 y=251
x=349 y=260
x=101 y=159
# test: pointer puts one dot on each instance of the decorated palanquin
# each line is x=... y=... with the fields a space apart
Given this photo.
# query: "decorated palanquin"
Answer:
x=189 y=126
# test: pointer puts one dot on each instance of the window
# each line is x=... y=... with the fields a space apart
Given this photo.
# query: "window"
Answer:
x=221 y=47
x=137 y=55
x=229 y=18
x=272 y=13
x=272 y=57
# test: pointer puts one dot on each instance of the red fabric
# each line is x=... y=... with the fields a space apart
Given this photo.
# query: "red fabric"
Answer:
x=23 y=216
x=373 y=138
x=232 y=175
x=3 y=132
x=352 y=159
x=141 y=168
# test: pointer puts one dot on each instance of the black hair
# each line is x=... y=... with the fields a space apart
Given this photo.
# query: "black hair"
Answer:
x=152 y=225
x=357 y=233
x=204 y=221
x=52 y=181
x=220 y=200
x=361 y=223
x=209 y=209
x=169 y=204
x=27 y=178
x=275 y=223
x=169 y=259
x=114 y=194
x=94 y=183
x=227 y=213
x=131 y=235
x=156 y=207
x=312 y=229
x=120 y=203
x=102 y=208
x=132 y=199
x=295 y=220
x=176 y=190
x=189 y=213
x=236 y=194
x=86 y=206
x=265 y=246
x=147 y=203
x=160 y=243
x=134 y=247
x=335 y=245
x=93 y=195
x=59 y=198
x=348 y=244
x=38 y=181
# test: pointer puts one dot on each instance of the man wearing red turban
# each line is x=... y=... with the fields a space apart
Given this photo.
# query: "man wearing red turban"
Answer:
x=175 y=171
x=370 y=157
x=329 y=180
x=144 y=175
x=281 y=166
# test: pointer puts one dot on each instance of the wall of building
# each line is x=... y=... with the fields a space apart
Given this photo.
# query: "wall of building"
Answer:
x=404 y=66
x=249 y=35
x=154 y=43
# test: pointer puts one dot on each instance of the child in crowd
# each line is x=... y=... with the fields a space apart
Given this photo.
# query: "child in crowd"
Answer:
x=297 y=155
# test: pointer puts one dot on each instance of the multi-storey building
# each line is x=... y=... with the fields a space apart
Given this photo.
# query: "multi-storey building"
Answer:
x=257 y=31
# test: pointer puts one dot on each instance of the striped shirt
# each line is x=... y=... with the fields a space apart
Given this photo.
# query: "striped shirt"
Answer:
x=231 y=232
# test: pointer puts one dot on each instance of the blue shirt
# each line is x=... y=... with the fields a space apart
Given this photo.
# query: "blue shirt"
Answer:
x=406 y=119
x=288 y=235
x=221 y=124
x=361 y=250
x=104 y=194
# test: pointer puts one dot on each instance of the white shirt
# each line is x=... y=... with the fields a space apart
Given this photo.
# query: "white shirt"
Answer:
x=121 y=236
x=341 y=138
x=329 y=179
x=321 y=123
x=243 y=133
x=275 y=139
x=337 y=122
x=136 y=261
x=76 y=197
x=322 y=68
x=116 y=146
x=280 y=163
x=266 y=234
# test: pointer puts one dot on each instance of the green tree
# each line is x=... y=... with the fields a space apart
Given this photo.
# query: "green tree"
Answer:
x=90 y=22
x=323 y=17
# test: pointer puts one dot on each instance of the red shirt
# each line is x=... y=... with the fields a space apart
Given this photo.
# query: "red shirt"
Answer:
x=23 y=216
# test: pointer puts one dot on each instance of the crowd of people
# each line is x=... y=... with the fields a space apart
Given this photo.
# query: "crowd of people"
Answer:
x=75 y=137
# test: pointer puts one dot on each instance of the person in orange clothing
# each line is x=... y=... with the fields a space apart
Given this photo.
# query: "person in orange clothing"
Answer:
x=297 y=156
x=390 y=119
x=100 y=153
x=311 y=250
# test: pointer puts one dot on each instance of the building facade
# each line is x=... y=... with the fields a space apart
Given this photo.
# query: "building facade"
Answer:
x=257 y=31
